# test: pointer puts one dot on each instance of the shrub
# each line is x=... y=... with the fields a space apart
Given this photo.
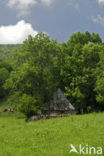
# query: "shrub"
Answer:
x=28 y=105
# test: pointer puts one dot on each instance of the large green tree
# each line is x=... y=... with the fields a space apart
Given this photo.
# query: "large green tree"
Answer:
x=99 y=87
x=32 y=74
x=80 y=58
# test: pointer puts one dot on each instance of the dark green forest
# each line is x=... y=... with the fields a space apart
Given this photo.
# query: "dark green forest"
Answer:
x=31 y=72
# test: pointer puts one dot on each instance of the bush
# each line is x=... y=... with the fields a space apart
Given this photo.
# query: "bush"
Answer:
x=28 y=105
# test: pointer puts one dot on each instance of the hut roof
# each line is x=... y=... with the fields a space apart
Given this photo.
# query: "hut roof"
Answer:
x=59 y=103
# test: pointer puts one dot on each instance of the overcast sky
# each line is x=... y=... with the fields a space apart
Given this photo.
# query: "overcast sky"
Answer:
x=58 y=18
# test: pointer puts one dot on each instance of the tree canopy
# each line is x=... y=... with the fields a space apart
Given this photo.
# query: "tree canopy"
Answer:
x=41 y=65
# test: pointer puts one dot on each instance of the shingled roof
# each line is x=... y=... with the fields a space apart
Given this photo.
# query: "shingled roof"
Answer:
x=59 y=103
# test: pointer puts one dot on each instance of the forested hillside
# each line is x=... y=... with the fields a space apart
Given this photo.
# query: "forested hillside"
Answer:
x=7 y=50
x=41 y=65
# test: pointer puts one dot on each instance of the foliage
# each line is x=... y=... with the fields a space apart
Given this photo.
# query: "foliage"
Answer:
x=5 y=69
x=32 y=74
x=41 y=65
x=29 y=105
x=99 y=86
x=77 y=72
x=6 y=51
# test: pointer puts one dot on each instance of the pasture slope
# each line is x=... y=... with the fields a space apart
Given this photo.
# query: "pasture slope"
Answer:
x=49 y=137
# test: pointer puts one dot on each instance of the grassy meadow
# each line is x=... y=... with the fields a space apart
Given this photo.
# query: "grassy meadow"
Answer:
x=49 y=137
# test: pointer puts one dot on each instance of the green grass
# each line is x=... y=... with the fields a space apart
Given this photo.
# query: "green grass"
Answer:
x=49 y=137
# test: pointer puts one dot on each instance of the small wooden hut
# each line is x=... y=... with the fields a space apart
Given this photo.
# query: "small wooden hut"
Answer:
x=59 y=104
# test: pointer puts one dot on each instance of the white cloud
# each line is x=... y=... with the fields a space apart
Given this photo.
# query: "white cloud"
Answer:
x=75 y=4
x=23 y=6
x=101 y=1
x=99 y=20
x=21 y=3
x=47 y=2
x=14 y=34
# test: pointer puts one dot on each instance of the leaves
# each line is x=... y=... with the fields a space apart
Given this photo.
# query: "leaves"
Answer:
x=41 y=65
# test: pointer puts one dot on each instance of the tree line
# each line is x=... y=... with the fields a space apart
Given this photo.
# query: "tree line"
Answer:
x=41 y=65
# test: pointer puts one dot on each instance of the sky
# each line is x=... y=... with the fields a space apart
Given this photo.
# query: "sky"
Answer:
x=58 y=18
